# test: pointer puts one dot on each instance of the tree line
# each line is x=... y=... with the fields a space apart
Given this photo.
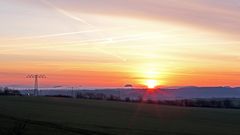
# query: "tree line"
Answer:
x=5 y=91
x=208 y=102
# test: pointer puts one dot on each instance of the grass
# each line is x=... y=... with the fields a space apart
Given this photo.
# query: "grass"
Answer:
x=61 y=116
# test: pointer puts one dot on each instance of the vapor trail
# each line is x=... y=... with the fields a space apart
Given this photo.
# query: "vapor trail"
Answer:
x=58 y=34
x=69 y=15
x=110 y=54
x=65 y=13
x=132 y=37
x=63 y=34
x=99 y=41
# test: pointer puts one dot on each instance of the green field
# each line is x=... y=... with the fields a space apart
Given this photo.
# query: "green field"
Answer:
x=61 y=116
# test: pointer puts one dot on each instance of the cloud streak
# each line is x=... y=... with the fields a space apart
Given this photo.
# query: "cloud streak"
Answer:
x=217 y=15
x=176 y=38
x=65 y=13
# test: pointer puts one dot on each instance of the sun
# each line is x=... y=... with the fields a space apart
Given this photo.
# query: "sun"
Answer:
x=151 y=84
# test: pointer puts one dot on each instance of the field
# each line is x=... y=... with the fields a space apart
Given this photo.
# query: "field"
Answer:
x=62 y=116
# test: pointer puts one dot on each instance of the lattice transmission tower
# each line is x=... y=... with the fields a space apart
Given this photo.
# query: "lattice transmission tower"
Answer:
x=36 y=84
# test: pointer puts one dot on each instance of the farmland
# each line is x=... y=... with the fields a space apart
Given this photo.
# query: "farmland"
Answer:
x=63 y=116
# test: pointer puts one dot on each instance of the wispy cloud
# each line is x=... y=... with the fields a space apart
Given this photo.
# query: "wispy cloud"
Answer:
x=65 y=13
x=194 y=38
x=214 y=14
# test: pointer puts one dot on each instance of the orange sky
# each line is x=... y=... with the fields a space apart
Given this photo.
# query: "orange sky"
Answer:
x=113 y=43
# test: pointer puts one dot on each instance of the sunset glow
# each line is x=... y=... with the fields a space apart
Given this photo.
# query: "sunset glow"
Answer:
x=99 y=44
x=151 y=84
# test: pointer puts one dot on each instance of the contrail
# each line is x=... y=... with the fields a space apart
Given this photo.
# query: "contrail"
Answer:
x=132 y=37
x=110 y=54
x=61 y=34
x=99 y=41
x=66 y=13
x=57 y=35
x=71 y=16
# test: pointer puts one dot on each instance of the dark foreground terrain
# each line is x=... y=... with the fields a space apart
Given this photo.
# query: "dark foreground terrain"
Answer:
x=61 y=116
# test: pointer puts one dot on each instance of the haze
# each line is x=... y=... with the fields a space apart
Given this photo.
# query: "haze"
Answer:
x=116 y=42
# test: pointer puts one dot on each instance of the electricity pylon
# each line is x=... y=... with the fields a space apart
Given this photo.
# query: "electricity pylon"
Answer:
x=36 y=77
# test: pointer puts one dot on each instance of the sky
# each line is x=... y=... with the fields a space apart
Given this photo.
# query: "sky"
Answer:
x=110 y=43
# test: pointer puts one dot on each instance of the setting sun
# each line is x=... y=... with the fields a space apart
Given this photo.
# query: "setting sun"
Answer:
x=120 y=67
x=151 y=84
x=113 y=45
